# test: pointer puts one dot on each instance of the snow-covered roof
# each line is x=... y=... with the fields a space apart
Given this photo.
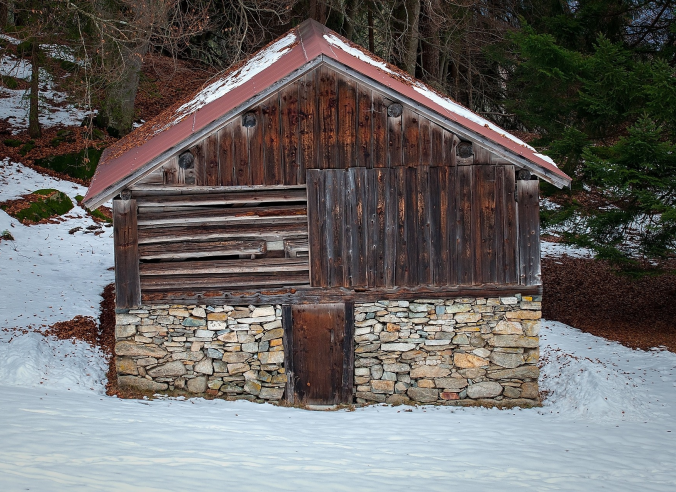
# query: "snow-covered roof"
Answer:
x=139 y=152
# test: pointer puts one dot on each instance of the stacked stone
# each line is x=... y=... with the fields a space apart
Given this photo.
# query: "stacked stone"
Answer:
x=225 y=351
x=458 y=351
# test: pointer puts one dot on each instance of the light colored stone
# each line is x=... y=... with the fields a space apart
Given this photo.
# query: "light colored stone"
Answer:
x=197 y=385
x=194 y=322
x=216 y=325
x=530 y=390
x=472 y=373
x=508 y=328
x=238 y=368
x=531 y=328
x=426 y=383
x=252 y=387
x=379 y=386
x=205 y=366
x=429 y=372
x=510 y=392
x=412 y=354
x=458 y=308
x=262 y=311
x=397 y=367
x=179 y=312
x=507 y=360
x=271 y=393
x=125 y=331
x=362 y=371
x=271 y=357
x=220 y=366
x=170 y=369
x=523 y=314
x=272 y=325
x=133 y=349
x=257 y=320
x=481 y=352
x=423 y=395
x=467 y=317
x=199 y=312
x=523 y=372
x=250 y=347
x=204 y=333
x=400 y=347
x=127 y=319
x=141 y=384
x=514 y=341
x=196 y=346
x=228 y=337
x=486 y=389
x=376 y=371
x=466 y=361
x=451 y=384
x=126 y=365
x=509 y=301
x=217 y=316
x=387 y=336
x=272 y=334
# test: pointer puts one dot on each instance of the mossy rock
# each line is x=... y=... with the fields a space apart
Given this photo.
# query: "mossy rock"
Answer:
x=94 y=213
x=54 y=203
x=73 y=165
x=27 y=147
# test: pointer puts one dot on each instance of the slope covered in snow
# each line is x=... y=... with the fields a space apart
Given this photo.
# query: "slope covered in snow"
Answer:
x=608 y=422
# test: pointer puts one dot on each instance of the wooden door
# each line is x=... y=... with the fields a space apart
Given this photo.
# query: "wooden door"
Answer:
x=321 y=353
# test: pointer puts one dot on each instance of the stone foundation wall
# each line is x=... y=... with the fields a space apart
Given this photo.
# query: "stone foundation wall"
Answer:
x=455 y=351
x=228 y=352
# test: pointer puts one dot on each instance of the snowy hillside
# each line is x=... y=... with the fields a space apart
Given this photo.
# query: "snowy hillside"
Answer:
x=608 y=422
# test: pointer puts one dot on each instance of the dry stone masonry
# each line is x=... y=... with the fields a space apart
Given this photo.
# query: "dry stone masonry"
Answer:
x=225 y=351
x=432 y=351
x=459 y=351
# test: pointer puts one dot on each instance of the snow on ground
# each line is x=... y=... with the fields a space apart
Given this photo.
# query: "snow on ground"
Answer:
x=608 y=423
x=53 y=106
x=49 y=275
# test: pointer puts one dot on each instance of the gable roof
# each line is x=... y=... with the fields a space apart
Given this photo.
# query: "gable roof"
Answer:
x=299 y=50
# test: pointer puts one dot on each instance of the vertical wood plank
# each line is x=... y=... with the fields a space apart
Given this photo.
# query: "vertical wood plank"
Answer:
x=529 y=231
x=347 y=123
x=315 y=210
x=348 y=354
x=271 y=141
x=423 y=225
x=499 y=240
x=463 y=228
x=212 y=173
x=438 y=227
x=359 y=229
x=170 y=172
x=401 y=273
x=386 y=188
x=374 y=226
x=395 y=137
x=485 y=231
x=328 y=119
x=125 y=234
x=380 y=132
x=413 y=227
x=287 y=341
x=449 y=202
x=425 y=142
x=411 y=144
x=256 y=164
x=198 y=152
x=364 y=157
x=351 y=249
x=225 y=157
x=307 y=123
x=240 y=150
x=510 y=227
x=437 y=145
x=290 y=133
x=450 y=142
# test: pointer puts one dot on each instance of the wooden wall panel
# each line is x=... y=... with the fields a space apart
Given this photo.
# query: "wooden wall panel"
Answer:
x=528 y=231
x=364 y=157
x=463 y=228
x=381 y=144
x=272 y=145
x=125 y=234
x=347 y=123
x=225 y=156
x=288 y=99
x=308 y=123
x=327 y=111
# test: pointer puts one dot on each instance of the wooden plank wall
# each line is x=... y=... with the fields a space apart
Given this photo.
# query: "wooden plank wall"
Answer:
x=433 y=226
x=125 y=234
x=205 y=239
x=323 y=120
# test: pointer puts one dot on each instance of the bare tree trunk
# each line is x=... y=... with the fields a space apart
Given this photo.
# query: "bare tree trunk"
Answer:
x=406 y=22
x=33 y=121
x=429 y=35
x=372 y=41
x=318 y=10
x=118 y=110
x=350 y=14
x=6 y=13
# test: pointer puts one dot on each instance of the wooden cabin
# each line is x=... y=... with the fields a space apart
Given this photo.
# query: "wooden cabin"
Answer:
x=319 y=227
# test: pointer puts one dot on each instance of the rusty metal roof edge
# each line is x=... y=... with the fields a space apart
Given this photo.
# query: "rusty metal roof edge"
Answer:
x=454 y=126
x=138 y=174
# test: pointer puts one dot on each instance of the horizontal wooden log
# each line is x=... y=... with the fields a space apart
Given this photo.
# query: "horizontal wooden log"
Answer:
x=187 y=282
x=244 y=222
x=222 y=215
x=196 y=249
x=305 y=295
x=224 y=198
x=154 y=190
x=273 y=230
x=268 y=265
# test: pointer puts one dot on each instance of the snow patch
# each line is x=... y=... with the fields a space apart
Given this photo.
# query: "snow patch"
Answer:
x=357 y=53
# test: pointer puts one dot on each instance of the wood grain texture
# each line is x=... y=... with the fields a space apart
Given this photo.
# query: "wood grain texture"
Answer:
x=127 y=280
x=529 y=231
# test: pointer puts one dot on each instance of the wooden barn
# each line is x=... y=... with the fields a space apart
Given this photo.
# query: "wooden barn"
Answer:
x=318 y=227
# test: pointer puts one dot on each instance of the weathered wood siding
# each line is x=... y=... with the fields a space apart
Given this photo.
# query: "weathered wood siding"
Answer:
x=443 y=226
x=323 y=120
